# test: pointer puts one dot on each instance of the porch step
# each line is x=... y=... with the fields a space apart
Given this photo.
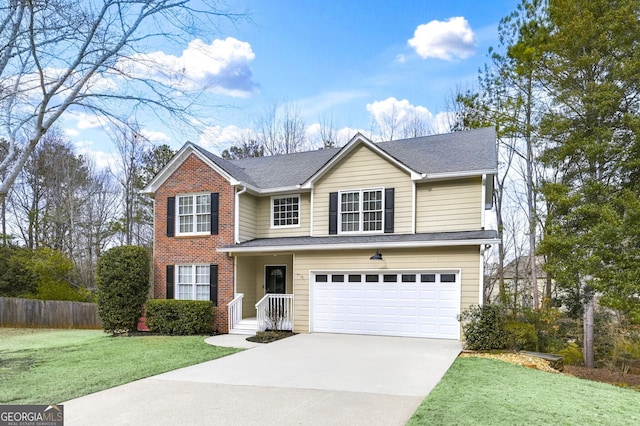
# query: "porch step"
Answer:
x=246 y=326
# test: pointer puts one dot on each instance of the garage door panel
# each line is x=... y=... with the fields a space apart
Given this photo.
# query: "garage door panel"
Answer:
x=415 y=309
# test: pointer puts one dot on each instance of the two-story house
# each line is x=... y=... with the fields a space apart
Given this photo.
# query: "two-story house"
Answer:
x=372 y=238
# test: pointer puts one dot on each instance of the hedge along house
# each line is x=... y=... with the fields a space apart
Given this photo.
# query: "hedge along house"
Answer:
x=372 y=238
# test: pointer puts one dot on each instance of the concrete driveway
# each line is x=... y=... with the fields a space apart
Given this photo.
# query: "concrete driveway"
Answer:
x=308 y=379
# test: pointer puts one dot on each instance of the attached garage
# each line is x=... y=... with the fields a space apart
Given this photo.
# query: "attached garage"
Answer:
x=391 y=303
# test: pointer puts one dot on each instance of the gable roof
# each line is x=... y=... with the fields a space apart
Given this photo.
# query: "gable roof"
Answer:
x=457 y=154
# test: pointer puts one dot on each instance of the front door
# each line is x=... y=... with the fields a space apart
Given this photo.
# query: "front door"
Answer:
x=275 y=280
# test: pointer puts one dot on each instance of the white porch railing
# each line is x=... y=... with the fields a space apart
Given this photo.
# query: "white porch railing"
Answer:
x=275 y=312
x=234 y=310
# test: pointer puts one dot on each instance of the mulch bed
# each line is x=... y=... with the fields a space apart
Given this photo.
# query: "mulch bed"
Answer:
x=269 y=336
x=604 y=375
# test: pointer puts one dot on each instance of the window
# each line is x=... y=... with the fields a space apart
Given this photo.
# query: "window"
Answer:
x=361 y=211
x=194 y=214
x=408 y=278
x=285 y=211
x=447 y=278
x=193 y=282
x=321 y=278
x=427 y=278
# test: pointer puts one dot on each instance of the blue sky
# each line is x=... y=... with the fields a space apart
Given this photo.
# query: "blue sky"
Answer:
x=348 y=60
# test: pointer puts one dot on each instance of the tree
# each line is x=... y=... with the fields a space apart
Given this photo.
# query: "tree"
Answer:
x=281 y=130
x=62 y=55
x=131 y=147
x=590 y=66
x=249 y=149
x=123 y=284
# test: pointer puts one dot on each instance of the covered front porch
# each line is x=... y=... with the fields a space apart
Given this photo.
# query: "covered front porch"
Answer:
x=263 y=289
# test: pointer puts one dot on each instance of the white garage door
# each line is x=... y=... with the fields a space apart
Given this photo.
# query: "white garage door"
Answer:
x=412 y=304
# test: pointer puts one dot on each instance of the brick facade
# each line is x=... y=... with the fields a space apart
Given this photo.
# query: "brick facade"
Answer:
x=193 y=176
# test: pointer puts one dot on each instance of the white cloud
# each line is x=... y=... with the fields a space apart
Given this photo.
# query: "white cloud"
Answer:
x=102 y=159
x=221 y=67
x=446 y=40
x=220 y=138
x=397 y=119
x=155 y=136
x=86 y=121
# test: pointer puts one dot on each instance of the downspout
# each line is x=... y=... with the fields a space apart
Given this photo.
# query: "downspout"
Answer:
x=483 y=203
x=237 y=215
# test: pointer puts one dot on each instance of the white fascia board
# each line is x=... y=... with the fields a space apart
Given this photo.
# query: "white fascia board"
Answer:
x=373 y=245
x=428 y=177
x=176 y=162
x=353 y=143
x=273 y=191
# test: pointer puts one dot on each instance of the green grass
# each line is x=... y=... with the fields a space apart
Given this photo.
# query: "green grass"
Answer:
x=52 y=366
x=477 y=391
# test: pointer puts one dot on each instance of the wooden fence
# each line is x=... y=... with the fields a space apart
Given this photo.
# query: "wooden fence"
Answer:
x=34 y=313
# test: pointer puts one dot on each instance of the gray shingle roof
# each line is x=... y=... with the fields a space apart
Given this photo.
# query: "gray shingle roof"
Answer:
x=472 y=150
x=353 y=240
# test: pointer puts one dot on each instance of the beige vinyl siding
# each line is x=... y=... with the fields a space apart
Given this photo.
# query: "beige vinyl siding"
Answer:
x=364 y=169
x=454 y=205
x=263 y=226
x=245 y=283
x=250 y=278
x=248 y=214
x=466 y=259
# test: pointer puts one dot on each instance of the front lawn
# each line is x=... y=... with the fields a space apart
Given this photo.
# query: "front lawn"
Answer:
x=50 y=366
x=477 y=391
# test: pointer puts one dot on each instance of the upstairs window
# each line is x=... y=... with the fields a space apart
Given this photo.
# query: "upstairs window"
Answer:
x=194 y=214
x=285 y=211
x=361 y=211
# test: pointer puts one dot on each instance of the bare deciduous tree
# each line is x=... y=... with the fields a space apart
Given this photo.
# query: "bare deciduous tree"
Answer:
x=62 y=55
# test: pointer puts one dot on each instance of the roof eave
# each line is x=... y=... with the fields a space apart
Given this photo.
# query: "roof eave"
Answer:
x=175 y=162
x=429 y=177
x=350 y=146
x=367 y=245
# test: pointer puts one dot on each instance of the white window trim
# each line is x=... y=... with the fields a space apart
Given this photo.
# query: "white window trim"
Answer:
x=176 y=280
x=360 y=212
x=279 y=197
x=194 y=214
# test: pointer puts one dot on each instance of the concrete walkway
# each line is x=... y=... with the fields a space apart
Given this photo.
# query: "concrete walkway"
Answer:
x=308 y=379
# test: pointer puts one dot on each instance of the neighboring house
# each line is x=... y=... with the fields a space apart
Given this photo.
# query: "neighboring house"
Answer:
x=372 y=238
x=517 y=280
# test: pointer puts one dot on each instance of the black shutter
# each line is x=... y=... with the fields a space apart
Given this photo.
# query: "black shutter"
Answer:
x=333 y=213
x=388 y=210
x=169 y=282
x=215 y=204
x=213 y=284
x=171 y=216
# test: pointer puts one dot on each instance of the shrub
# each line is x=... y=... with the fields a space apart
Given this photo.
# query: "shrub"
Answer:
x=123 y=284
x=179 y=317
x=521 y=336
x=55 y=272
x=17 y=278
x=572 y=354
x=484 y=327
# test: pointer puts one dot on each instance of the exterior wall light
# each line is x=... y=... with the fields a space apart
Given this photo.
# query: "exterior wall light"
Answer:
x=377 y=256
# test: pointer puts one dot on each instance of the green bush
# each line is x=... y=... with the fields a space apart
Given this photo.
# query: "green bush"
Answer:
x=179 y=317
x=123 y=284
x=55 y=275
x=572 y=354
x=521 y=336
x=17 y=278
x=484 y=327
